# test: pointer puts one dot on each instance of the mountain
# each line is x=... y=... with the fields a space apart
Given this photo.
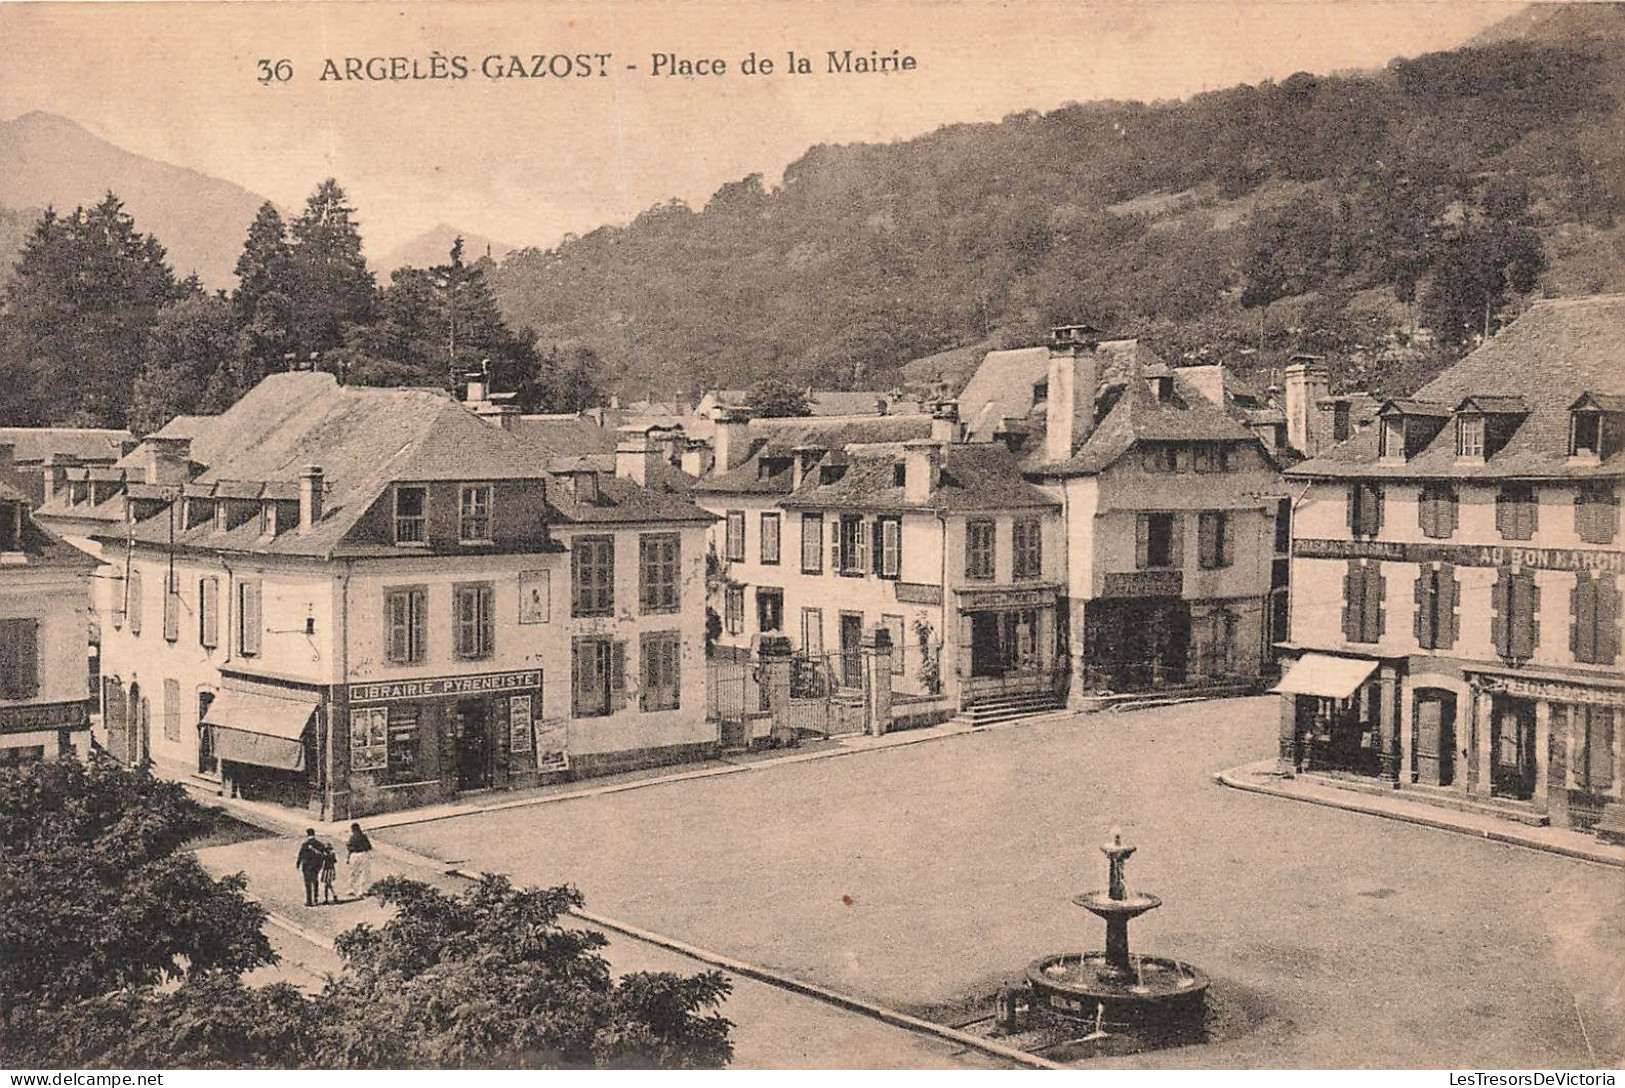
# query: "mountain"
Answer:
x=432 y=246
x=1383 y=219
x=46 y=160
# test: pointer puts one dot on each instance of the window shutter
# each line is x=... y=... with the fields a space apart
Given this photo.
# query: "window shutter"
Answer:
x=1582 y=628
x=617 y=674
x=1607 y=607
x=1503 y=516
x=1531 y=614
x=1376 y=508
x=897 y=548
x=1142 y=542
x=488 y=633
x=172 y=609
x=1351 y=603
x=1176 y=541
x=1499 y=627
x=121 y=600
x=673 y=657
x=134 y=588
x=1426 y=603
x=1353 y=506
x=1206 y=545
x=249 y=618
x=1424 y=512
x=418 y=612
x=27 y=659
x=1375 y=617
x=395 y=633
x=578 y=680
x=209 y=606
x=862 y=557
x=1449 y=599
x=1452 y=513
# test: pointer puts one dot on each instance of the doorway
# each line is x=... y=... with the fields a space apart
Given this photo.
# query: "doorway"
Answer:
x=207 y=762
x=1433 y=748
x=1512 y=748
x=473 y=745
x=852 y=649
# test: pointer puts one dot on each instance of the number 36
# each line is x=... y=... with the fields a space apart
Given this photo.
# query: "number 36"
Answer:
x=275 y=71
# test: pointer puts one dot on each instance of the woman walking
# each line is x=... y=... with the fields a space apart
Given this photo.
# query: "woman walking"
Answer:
x=358 y=855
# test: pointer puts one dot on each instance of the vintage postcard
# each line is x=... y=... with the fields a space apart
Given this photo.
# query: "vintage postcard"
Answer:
x=917 y=535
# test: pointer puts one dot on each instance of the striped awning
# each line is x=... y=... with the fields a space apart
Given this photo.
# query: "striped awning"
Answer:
x=261 y=730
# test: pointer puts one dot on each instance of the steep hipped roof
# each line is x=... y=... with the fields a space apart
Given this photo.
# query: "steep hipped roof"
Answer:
x=1557 y=351
x=35 y=444
x=1002 y=387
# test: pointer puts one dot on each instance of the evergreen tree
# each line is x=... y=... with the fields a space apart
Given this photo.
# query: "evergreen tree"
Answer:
x=192 y=364
x=262 y=305
x=332 y=288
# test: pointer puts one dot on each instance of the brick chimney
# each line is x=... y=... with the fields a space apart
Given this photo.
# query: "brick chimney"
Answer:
x=1305 y=383
x=312 y=486
x=169 y=460
x=945 y=423
x=731 y=439
x=1074 y=373
x=635 y=456
x=922 y=469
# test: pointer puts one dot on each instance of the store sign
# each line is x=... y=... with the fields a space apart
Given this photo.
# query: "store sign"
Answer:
x=918 y=593
x=977 y=600
x=1550 y=690
x=445 y=687
x=1463 y=555
x=519 y=724
x=1143 y=583
x=43 y=716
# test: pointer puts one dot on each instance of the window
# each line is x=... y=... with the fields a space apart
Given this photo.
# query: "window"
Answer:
x=1392 y=438
x=1470 y=437
x=1592 y=728
x=598 y=677
x=1213 y=539
x=733 y=607
x=411 y=515
x=899 y=474
x=1156 y=541
x=172 y=711
x=1212 y=457
x=1363 y=588
x=889 y=556
x=248 y=618
x=658 y=572
x=1515 y=626
x=403 y=743
x=406 y=624
x=592 y=566
x=894 y=627
x=1436 y=511
x=172 y=607
x=769 y=609
x=1160 y=459
x=1585 y=435
x=812 y=543
x=853 y=545
x=474 y=514
x=735 y=551
x=1596 y=514
x=19 y=658
x=1437 y=598
x=980 y=540
x=208 y=612
x=769 y=534
x=1594 y=606
x=659 y=654
x=1517 y=514
x=1365 y=509
x=473 y=620
x=132 y=590
x=207 y=762
x=1026 y=549
x=812 y=631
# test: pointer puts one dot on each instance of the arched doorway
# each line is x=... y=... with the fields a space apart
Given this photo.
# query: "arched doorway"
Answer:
x=1433 y=738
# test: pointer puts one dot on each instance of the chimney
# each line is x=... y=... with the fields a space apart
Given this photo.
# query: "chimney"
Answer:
x=635 y=456
x=731 y=438
x=945 y=424
x=922 y=469
x=474 y=391
x=806 y=458
x=1206 y=380
x=1074 y=372
x=169 y=460
x=1305 y=384
x=696 y=459
x=311 y=487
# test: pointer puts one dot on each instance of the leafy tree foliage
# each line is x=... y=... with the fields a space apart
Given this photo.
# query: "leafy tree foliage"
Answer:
x=192 y=362
x=97 y=893
x=773 y=398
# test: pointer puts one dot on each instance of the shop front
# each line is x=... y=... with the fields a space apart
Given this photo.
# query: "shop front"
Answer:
x=1007 y=641
x=415 y=742
x=1339 y=715
x=262 y=739
x=1137 y=632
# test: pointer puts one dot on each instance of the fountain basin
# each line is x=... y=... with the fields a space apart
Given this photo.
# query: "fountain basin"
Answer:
x=1132 y=905
x=1076 y=984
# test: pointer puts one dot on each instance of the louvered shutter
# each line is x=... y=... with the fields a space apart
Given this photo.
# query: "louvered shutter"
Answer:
x=418 y=613
x=1530 y=615
x=1176 y=541
x=1426 y=604
x=249 y=618
x=1499 y=626
x=1142 y=542
x=1607 y=603
x=1351 y=603
x=673 y=659
x=209 y=606
x=27 y=658
x=617 y=674
x=1206 y=544
x=1582 y=613
x=134 y=588
x=862 y=564
x=488 y=629
x=172 y=609
x=1372 y=621
x=1504 y=515
x=1353 y=511
x=1449 y=599
x=396 y=623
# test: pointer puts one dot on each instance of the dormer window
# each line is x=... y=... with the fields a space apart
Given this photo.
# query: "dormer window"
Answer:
x=12 y=518
x=411 y=514
x=1470 y=438
x=1392 y=442
x=899 y=474
x=1040 y=393
x=1585 y=435
x=474 y=514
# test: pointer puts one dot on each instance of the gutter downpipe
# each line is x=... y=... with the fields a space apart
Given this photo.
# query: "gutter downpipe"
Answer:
x=335 y=689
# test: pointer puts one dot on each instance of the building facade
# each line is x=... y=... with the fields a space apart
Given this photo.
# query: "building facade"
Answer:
x=1457 y=572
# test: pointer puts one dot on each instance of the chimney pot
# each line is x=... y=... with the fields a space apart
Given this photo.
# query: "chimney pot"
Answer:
x=312 y=485
x=635 y=456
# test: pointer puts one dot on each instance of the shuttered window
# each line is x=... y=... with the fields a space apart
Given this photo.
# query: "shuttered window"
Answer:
x=661 y=684
x=474 y=620
x=248 y=618
x=981 y=538
x=854 y=545
x=1594 y=610
x=1365 y=509
x=657 y=572
x=406 y=622
x=735 y=551
x=1438 y=598
x=19 y=658
x=1515 y=619
x=172 y=711
x=1517 y=514
x=1592 y=728
x=889 y=542
x=1596 y=514
x=1436 y=511
x=1363 y=590
x=768 y=532
x=1026 y=549
x=172 y=608
x=592 y=567
x=812 y=543
x=132 y=591
x=598 y=677
x=733 y=607
x=1213 y=539
x=1157 y=542
x=208 y=612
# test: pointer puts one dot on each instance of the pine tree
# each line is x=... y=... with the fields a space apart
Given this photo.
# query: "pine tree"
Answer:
x=332 y=288
x=192 y=364
x=262 y=305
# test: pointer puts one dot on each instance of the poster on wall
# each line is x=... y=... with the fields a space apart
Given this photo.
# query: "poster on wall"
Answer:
x=519 y=724
x=369 y=739
x=535 y=596
x=551 y=749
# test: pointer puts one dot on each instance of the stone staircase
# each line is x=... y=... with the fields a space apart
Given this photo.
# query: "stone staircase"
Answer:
x=1006 y=708
x=1438 y=796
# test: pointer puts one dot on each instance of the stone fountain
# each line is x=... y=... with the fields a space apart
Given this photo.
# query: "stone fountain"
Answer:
x=1116 y=986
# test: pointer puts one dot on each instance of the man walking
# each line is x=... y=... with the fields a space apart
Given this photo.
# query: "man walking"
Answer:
x=312 y=857
x=358 y=854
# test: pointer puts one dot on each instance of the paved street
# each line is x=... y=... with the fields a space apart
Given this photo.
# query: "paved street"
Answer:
x=925 y=875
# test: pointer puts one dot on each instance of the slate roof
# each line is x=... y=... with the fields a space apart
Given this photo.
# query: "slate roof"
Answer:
x=975 y=476
x=42 y=547
x=1557 y=351
x=776 y=438
x=35 y=444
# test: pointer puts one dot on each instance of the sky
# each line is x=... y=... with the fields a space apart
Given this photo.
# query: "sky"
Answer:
x=525 y=160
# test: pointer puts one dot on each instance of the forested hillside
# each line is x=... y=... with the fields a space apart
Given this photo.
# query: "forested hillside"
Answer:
x=1385 y=219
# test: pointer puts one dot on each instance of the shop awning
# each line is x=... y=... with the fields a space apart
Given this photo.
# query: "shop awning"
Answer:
x=260 y=729
x=1326 y=676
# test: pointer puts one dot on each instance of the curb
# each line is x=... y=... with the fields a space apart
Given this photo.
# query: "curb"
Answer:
x=1230 y=778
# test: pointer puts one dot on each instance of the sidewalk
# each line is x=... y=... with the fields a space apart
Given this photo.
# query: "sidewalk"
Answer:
x=1260 y=777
